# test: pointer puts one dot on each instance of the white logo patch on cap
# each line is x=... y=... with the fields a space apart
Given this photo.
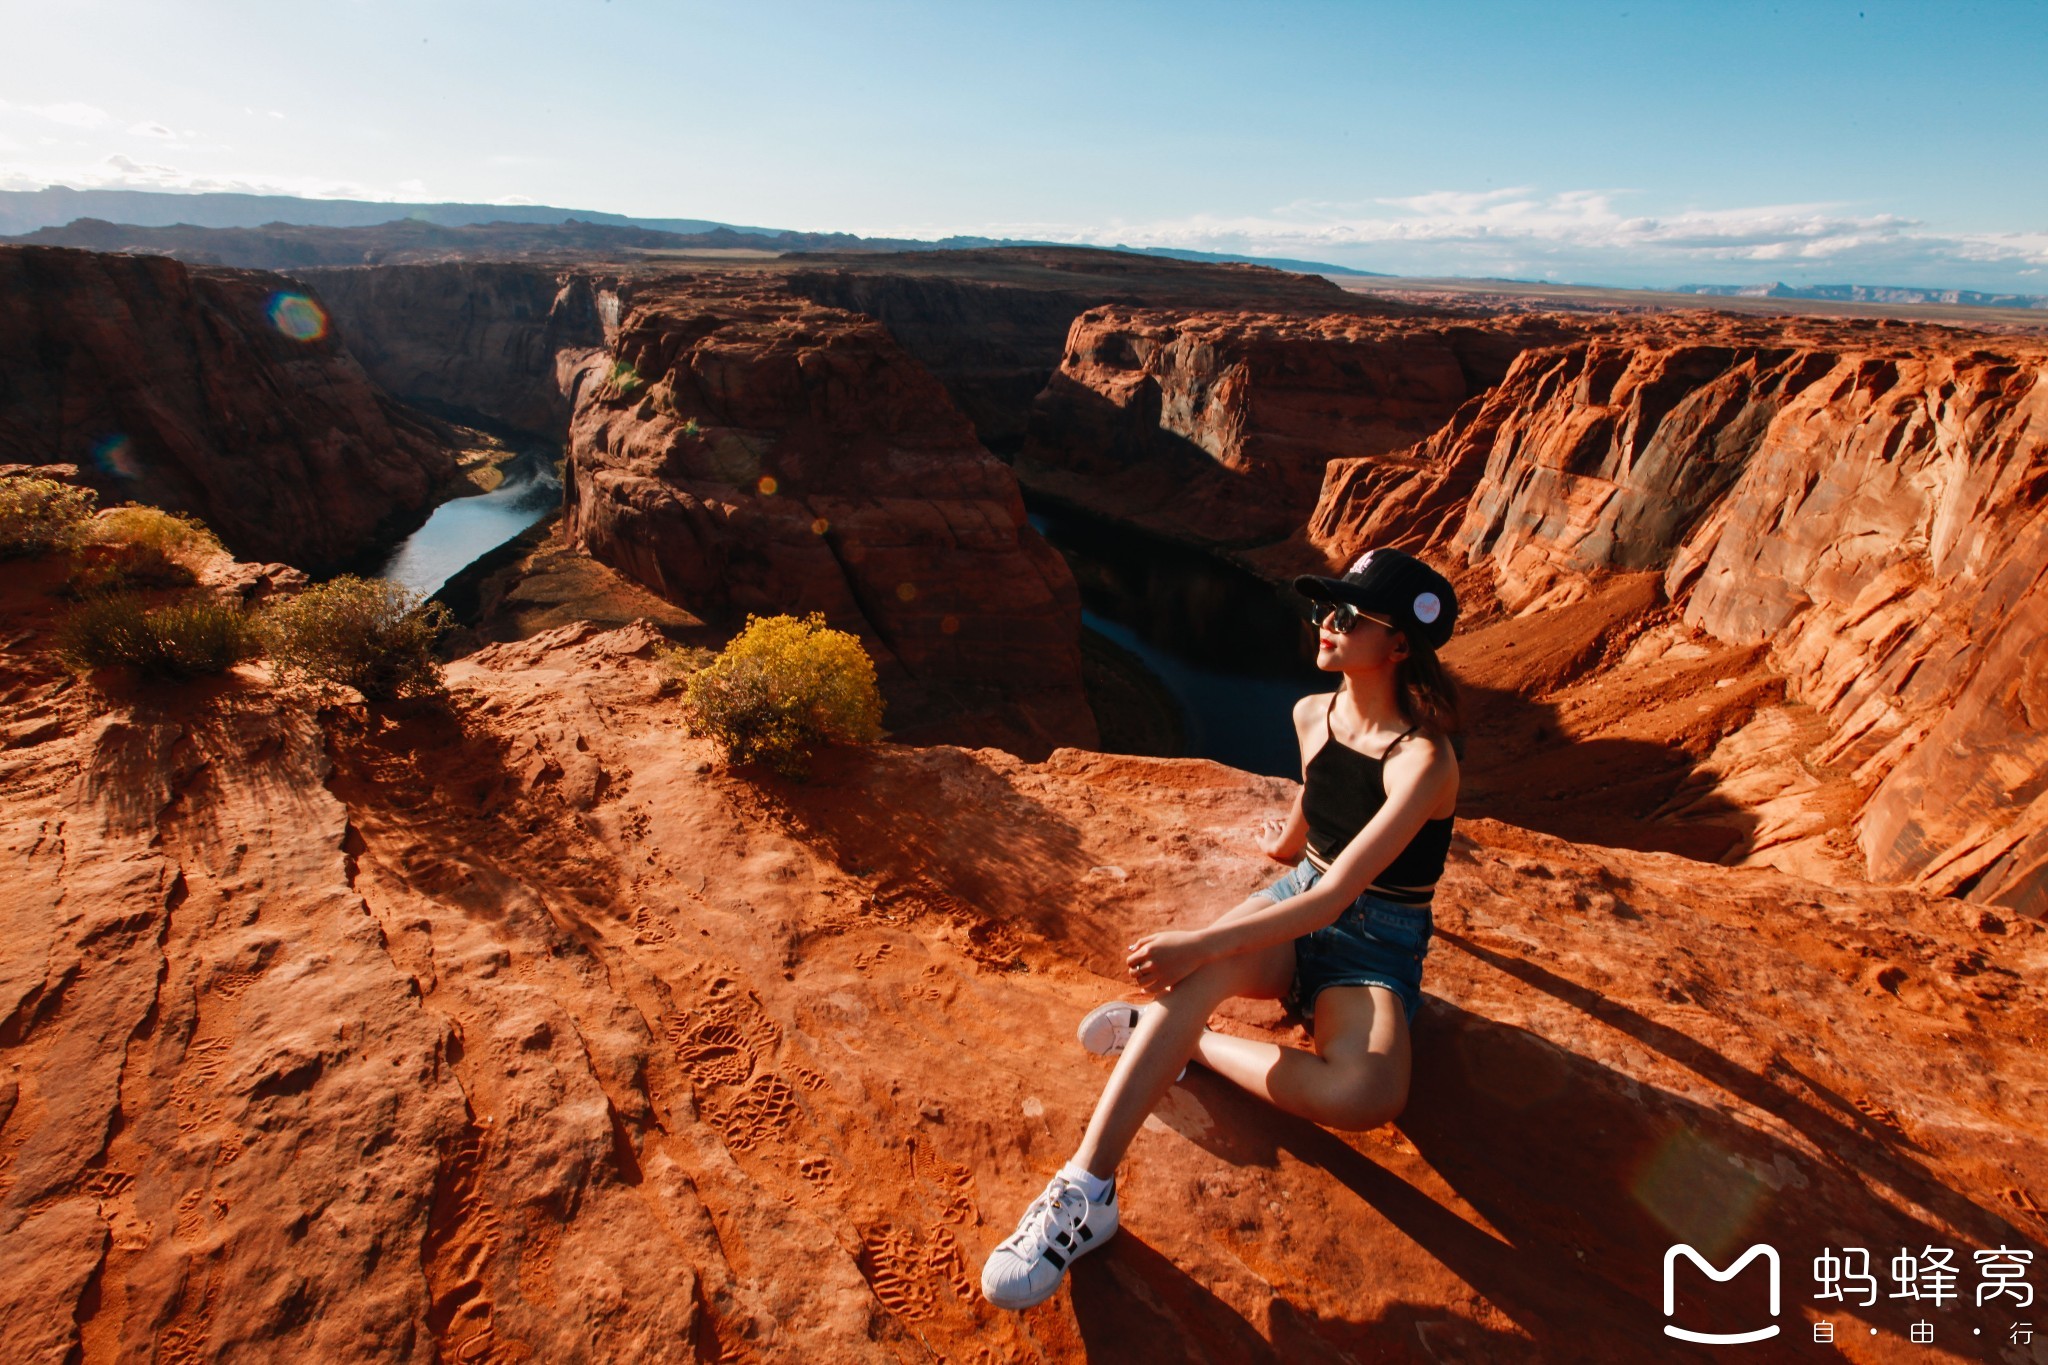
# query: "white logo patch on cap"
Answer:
x=1361 y=562
x=1427 y=607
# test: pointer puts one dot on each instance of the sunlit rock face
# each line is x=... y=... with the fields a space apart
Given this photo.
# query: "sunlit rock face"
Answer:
x=745 y=452
x=488 y=341
x=224 y=393
x=1865 y=501
x=1219 y=426
x=992 y=324
x=517 y=1029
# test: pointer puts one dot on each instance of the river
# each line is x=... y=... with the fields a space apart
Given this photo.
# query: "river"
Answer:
x=463 y=529
x=1227 y=645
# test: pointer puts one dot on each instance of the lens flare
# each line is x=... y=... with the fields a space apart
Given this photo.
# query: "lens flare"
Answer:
x=1701 y=1193
x=297 y=316
x=767 y=485
x=906 y=592
x=820 y=526
x=115 y=456
x=949 y=625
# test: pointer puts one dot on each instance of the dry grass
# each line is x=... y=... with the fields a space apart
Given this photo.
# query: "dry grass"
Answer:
x=366 y=633
x=182 y=639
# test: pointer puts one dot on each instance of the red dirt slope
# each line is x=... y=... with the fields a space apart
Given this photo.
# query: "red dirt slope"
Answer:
x=518 y=1031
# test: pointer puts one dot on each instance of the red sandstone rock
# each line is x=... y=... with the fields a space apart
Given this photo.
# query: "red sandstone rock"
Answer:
x=1865 y=501
x=512 y=1034
x=748 y=453
x=992 y=324
x=170 y=385
x=1219 y=426
x=493 y=340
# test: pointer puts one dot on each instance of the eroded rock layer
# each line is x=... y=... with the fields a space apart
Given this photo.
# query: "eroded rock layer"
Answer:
x=195 y=389
x=992 y=324
x=1219 y=426
x=1865 y=502
x=515 y=1030
x=747 y=452
x=495 y=341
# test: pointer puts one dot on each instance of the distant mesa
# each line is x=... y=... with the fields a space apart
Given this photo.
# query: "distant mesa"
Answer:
x=1867 y=293
x=187 y=226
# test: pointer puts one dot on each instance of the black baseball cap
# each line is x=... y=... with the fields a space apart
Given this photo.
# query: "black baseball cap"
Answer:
x=1396 y=585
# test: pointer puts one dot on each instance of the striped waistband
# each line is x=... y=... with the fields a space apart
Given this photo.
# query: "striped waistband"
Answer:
x=1399 y=895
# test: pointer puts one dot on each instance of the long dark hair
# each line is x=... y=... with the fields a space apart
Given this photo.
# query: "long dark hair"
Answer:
x=1425 y=691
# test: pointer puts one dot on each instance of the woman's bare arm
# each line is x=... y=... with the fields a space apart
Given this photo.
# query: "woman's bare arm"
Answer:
x=1419 y=777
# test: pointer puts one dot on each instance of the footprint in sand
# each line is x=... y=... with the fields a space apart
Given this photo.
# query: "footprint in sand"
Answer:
x=108 y=1184
x=816 y=1169
x=646 y=927
x=190 y=1222
x=890 y=1261
x=226 y=986
x=1882 y=1117
x=955 y=1183
x=944 y=1259
x=2017 y=1198
x=716 y=1054
x=762 y=1112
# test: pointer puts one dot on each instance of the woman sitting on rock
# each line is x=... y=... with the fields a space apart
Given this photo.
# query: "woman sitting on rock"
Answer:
x=1340 y=938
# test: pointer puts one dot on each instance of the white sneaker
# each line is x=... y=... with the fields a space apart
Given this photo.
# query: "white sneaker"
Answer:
x=1061 y=1224
x=1105 y=1029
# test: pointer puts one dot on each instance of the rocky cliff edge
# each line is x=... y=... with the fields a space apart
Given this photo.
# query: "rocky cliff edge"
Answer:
x=516 y=1029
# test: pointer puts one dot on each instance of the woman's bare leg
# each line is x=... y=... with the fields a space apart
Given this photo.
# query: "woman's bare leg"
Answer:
x=1166 y=1037
x=1357 y=1078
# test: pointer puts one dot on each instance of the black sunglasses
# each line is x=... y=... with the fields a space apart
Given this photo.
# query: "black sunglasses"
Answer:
x=1340 y=618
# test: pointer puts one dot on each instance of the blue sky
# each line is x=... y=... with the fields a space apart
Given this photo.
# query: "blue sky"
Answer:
x=1626 y=143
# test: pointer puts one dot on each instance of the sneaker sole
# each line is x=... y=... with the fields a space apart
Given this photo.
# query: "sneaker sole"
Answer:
x=1105 y=1029
x=1019 y=1305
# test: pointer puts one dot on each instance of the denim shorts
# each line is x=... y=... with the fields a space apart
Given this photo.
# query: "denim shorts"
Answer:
x=1375 y=942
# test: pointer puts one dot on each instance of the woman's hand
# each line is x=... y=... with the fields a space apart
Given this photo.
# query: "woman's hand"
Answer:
x=1272 y=839
x=1158 y=962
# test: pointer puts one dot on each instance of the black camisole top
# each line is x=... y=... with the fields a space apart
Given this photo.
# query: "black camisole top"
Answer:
x=1342 y=789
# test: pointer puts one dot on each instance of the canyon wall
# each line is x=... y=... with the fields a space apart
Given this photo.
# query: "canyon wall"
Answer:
x=513 y=1029
x=1219 y=426
x=1869 y=502
x=216 y=392
x=992 y=345
x=992 y=324
x=483 y=341
x=746 y=452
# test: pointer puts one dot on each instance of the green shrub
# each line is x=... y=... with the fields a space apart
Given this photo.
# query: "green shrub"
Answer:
x=783 y=689
x=179 y=640
x=680 y=663
x=38 y=515
x=366 y=633
x=138 y=546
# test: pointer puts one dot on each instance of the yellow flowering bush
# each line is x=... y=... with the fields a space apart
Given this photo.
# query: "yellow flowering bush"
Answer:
x=783 y=689
x=38 y=515
x=142 y=547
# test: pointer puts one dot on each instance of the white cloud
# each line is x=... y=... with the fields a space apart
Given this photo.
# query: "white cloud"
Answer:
x=70 y=113
x=1586 y=235
x=121 y=172
x=155 y=130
